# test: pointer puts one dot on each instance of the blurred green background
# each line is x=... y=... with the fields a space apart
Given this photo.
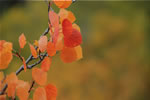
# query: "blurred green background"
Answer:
x=116 y=48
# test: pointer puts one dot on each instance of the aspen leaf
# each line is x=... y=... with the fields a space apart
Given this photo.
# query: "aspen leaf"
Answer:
x=74 y=39
x=68 y=55
x=46 y=63
x=62 y=3
x=39 y=94
x=33 y=51
x=11 y=89
x=78 y=50
x=11 y=78
x=60 y=43
x=39 y=76
x=24 y=64
x=51 y=92
x=1 y=76
x=22 y=93
x=5 y=54
x=42 y=43
x=54 y=18
x=51 y=50
x=66 y=27
x=22 y=40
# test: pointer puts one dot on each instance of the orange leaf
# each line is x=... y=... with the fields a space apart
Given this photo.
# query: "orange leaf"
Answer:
x=78 y=50
x=39 y=76
x=33 y=51
x=54 y=18
x=39 y=94
x=62 y=3
x=60 y=43
x=51 y=92
x=66 y=27
x=11 y=78
x=43 y=43
x=5 y=54
x=22 y=93
x=51 y=50
x=46 y=63
x=24 y=64
x=11 y=89
x=1 y=76
x=68 y=55
x=22 y=40
x=74 y=39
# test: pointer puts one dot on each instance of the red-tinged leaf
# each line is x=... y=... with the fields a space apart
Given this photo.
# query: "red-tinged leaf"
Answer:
x=22 y=40
x=62 y=3
x=39 y=94
x=51 y=92
x=46 y=63
x=33 y=51
x=5 y=54
x=43 y=43
x=24 y=64
x=54 y=18
x=66 y=27
x=75 y=26
x=51 y=50
x=56 y=33
x=68 y=55
x=39 y=76
x=78 y=50
x=73 y=40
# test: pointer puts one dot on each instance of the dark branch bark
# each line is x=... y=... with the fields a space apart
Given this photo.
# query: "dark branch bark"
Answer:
x=31 y=86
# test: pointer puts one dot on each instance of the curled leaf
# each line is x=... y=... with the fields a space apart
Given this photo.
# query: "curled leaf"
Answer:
x=24 y=64
x=33 y=51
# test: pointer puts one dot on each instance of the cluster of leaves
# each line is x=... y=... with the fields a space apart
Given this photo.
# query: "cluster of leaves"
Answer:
x=65 y=37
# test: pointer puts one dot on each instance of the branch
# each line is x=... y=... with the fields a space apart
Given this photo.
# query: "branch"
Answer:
x=31 y=86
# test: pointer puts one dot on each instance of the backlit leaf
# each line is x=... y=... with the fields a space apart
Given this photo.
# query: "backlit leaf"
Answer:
x=62 y=3
x=75 y=26
x=54 y=18
x=78 y=50
x=60 y=42
x=22 y=40
x=42 y=43
x=51 y=92
x=11 y=78
x=74 y=39
x=11 y=89
x=51 y=50
x=5 y=54
x=3 y=97
x=39 y=76
x=33 y=51
x=24 y=64
x=39 y=94
x=68 y=55
x=66 y=27
x=22 y=93
x=46 y=63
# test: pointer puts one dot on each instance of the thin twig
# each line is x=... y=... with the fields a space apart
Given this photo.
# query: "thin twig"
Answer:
x=31 y=86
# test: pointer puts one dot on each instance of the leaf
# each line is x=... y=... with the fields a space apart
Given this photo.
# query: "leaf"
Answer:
x=51 y=92
x=60 y=43
x=39 y=94
x=24 y=64
x=73 y=40
x=43 y=43
x=46 y=63
x=22 y=40
x=11 y=89
x=1 y=76
x=66 y=27
x=39 y=76
x=68 y=55
x=11 y=78
x=54 y=18
x=65 y=14
x=62 y=3
x=22 y=93
x=51 y=50
x=33 y=51
x=5 y=54
x=78 y=50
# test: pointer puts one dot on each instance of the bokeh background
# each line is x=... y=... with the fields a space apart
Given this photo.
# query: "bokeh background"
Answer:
x=116 y=47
